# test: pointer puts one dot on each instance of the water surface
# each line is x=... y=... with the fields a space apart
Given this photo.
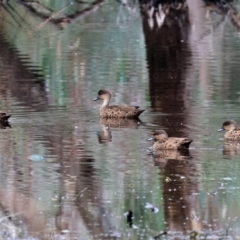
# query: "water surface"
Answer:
x=67 y=174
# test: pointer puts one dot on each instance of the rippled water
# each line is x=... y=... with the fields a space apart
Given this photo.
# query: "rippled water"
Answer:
x=66 y=174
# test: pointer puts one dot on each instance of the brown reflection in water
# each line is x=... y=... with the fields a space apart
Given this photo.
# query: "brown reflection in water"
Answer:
x=231 y=148
x=79 y=207
x=25 y=85
x=179 y=184
x=84 y=205
x=20 y=207
x=165 y=155
x=168 y=57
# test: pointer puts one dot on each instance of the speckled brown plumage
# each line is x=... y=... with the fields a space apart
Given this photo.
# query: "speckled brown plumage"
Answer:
x=123 y=111
x=116 y=111
x=233 y=131
x=163 y=142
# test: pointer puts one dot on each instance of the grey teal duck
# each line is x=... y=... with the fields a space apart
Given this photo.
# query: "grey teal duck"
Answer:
x=115 y=111
x=163 y=142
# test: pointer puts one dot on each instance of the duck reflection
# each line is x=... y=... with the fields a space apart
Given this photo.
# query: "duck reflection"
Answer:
x=105 y=135
x=120 y=122
x=179 y=185
x=231 y=148
x=5 y=125
x=165 y=155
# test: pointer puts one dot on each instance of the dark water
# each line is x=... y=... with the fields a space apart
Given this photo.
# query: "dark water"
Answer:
x=66 y=174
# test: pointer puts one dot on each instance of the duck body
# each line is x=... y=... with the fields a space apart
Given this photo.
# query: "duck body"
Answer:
x=163 y=142
x=120 y=111
x=232 y=130
x=172 y=143
x=115 y=111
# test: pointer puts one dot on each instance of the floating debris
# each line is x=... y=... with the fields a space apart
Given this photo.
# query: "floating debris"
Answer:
x=134 y=226
x=227 y=179
x=213 y=193
x=168 y=179
x=153 y=208
x=35 y=157
x=159 y=235
x=193 y=235
x=195 y=217
x=129 y=216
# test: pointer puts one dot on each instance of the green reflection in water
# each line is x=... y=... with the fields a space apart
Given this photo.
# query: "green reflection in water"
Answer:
x=95 y=50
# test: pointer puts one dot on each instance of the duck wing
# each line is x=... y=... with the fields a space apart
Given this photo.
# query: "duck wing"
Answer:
x=178 y=143
x=125 y=108
x=129 y=106
x=124 y=111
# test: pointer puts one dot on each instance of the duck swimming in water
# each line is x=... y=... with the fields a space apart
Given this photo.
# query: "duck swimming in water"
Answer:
x=233 y=131
x=163 y=142
x=115 y=111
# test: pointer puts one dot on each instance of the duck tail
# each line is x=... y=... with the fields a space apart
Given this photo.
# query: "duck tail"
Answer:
x=5 y=118
x=139 y=112
x=186 y=142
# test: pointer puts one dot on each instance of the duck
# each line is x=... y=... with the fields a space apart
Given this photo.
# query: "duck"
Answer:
x=163 y=142
x=4 y=117
x=233 y=131
x=115 y=111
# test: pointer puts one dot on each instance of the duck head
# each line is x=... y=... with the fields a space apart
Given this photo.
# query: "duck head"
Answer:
x=103 y=94
x=228 y=125
x=159 y=135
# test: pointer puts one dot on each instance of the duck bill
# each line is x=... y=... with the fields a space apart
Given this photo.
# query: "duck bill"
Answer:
x=151 y=139
x=95 y=99
x=220 y=130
